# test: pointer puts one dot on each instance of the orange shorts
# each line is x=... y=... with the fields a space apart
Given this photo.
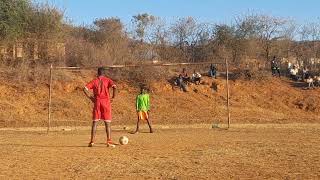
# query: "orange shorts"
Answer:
x=143 y=115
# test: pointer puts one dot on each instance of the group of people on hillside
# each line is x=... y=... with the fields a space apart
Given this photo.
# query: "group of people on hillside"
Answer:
x=183 y=80
x=304 y=75
x=296 y=74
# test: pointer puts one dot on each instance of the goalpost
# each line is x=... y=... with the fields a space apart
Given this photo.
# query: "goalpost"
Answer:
x=52 y=69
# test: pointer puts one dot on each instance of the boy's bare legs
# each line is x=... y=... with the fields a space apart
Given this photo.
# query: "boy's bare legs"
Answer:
x=149 y=124
x=137 y=127
x=93 y=132
x=108 y=132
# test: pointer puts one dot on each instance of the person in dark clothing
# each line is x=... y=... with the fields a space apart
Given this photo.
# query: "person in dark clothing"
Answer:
x=213 y=71
x=305 y=73
x=180 y=82
x=185 y=76
x=275 y=67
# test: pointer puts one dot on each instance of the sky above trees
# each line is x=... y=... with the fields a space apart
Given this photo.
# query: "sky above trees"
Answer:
x=218 y=11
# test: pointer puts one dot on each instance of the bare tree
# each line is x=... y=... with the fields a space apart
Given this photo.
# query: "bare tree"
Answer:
x=141 y=23
x=269 y=29
x=200 y=44
x=183 y=35
x=183 y=30
x=111 y=37
x=159 y=38
x=310 y=36
x=224 y=40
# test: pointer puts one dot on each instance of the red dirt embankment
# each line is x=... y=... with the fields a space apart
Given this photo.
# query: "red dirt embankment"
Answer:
x=271 y=100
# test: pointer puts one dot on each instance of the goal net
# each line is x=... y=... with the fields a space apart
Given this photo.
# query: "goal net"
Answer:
x=172 y=102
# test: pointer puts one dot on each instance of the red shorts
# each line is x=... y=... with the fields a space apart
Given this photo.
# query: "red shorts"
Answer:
x=102 y=110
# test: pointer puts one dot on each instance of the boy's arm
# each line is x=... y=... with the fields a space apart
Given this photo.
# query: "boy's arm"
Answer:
x=87 y=93
x=114 y=92
x=112 y=85
x=87 y=89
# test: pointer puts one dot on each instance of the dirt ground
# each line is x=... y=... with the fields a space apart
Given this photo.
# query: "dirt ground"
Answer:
x=280 y=151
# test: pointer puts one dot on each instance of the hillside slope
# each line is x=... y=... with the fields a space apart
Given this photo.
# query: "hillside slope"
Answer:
x=271 y=100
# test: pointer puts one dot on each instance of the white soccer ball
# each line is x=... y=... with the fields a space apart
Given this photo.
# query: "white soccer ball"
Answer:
x=123 y=140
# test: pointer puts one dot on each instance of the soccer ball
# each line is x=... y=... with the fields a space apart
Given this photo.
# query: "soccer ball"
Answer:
x=123 y=140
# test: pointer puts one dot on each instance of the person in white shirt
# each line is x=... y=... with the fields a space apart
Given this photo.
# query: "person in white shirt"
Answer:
x=310 y=82
x=196 y=77
x=294 y=73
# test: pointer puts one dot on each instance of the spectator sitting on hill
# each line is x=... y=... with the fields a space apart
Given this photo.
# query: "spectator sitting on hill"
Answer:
x=317 y=81
x=196 y=77
x=305 y=73
x=213 y=71
x=185 y=76
x=310 y=82
x=179 y=82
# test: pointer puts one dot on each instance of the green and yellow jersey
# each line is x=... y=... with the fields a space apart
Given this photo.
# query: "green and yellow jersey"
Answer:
x=143 y=102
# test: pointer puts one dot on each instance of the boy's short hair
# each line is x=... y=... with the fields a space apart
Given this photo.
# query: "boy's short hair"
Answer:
x=101 y=71
x=142 y=87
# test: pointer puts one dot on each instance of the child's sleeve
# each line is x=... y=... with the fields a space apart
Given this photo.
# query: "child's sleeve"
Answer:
x=137 y=103
x=148 y=103
x=90 y=85
x=111 y=84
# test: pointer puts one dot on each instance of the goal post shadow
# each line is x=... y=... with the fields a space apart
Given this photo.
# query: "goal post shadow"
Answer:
x=52 y=69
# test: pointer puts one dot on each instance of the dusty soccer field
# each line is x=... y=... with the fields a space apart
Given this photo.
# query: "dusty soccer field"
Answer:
x=244 y=151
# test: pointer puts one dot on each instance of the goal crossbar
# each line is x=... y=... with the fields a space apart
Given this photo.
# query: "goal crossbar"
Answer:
x=139 y=65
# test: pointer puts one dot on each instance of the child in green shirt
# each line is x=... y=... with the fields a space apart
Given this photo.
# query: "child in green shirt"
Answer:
x=143 y=108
